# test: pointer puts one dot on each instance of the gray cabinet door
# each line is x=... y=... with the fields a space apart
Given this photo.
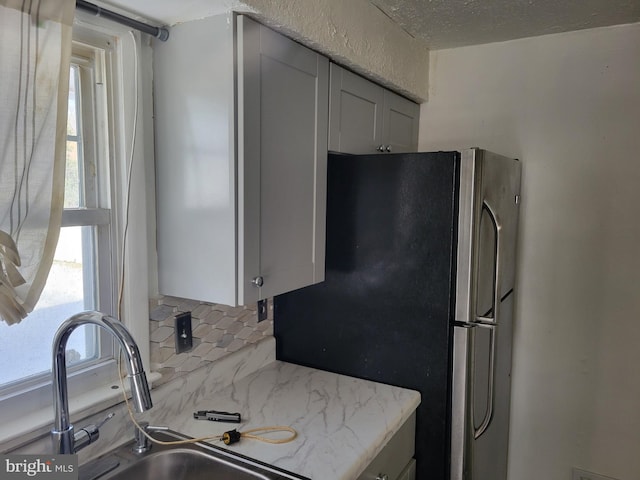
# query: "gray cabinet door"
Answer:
x=366 y=118
x=355 y=124
x=195 y=161
x=400 y=123
x=395 y=459
x=242 y=115
x=282 y=153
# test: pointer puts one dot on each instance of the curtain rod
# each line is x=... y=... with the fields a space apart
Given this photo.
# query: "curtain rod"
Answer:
x=158 y=32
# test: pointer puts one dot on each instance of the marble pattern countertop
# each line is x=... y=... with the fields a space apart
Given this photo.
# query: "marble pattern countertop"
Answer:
x=342 y=422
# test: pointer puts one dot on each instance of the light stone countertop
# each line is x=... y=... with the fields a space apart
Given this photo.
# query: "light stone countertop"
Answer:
x=342 y=422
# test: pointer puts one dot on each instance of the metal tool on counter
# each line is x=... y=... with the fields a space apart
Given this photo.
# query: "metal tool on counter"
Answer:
x=216 y=416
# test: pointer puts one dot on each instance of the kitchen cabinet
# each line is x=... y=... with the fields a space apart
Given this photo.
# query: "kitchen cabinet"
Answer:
x=241 y=115
x=367 y=118
x=395 y=461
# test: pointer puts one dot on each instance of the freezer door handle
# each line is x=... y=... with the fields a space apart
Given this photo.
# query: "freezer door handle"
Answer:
x=497 y=275
x=493 y=321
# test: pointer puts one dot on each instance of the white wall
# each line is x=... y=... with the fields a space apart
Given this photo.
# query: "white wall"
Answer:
x=568 y=105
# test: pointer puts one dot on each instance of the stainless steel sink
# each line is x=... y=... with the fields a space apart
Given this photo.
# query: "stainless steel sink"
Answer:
x=198 y=461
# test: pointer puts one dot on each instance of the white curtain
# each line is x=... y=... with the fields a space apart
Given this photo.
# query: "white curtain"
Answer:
x=35 y=49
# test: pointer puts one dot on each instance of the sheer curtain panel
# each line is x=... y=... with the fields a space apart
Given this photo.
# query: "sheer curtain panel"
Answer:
x=35 y=49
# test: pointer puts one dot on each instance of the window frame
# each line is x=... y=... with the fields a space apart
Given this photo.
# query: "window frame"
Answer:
x=21 y=396
x=121 y=50
x=94 y=79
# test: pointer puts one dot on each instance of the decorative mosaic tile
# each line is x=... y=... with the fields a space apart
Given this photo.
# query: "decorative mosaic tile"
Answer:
x=255 y=336
x=214 y=336
x=245 y=333
x=218 y=330
x=202 y=350
x=162 y=334
x=213 y=317
x=191 y=364
x=236 y=345
x=225 y=322
x=225 y=341
x=201 y=330
x=160 y=355
x=172 y=301
x=215 y=354
x=160 y=312
x=201 y=311
x=235 y=327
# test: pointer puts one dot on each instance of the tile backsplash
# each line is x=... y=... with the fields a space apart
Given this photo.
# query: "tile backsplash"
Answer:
x=218 y=330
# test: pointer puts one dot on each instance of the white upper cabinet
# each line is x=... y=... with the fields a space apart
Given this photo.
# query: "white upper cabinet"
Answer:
x=241 y=118
x=367 y=118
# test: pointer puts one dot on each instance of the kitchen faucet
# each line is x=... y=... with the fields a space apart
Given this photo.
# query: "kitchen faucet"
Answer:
x=62 y=434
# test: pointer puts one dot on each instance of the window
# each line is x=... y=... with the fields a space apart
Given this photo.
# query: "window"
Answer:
x=109 y=165
x=82 y=275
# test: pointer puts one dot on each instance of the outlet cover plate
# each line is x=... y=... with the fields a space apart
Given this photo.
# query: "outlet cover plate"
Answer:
x=184 y=334
x=263 y=309
x=584 y=475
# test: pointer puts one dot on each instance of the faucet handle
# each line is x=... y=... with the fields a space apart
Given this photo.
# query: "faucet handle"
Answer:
x=106 y=419
x=89 y=434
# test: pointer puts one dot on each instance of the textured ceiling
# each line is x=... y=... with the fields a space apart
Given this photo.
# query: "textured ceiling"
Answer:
x=455 y=23
x=439 y=23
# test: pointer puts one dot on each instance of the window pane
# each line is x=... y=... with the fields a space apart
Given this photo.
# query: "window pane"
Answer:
x=72 y=178
x=80 y=278
x=72 y=108
x=23 y=345
x=73 y=191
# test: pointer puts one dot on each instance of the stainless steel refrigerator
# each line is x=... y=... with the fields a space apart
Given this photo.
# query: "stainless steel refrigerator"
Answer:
x=418 y=293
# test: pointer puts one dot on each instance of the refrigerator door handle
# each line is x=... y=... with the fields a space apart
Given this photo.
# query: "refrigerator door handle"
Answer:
x=497 y=286
x=488 y=416
x=492 y=321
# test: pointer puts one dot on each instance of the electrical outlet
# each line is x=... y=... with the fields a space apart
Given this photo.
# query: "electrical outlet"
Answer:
x=584 y=475
x=184 y=335
x=263 y=309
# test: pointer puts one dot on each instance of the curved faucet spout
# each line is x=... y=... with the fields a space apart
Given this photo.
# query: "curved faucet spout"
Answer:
x=62 y=433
